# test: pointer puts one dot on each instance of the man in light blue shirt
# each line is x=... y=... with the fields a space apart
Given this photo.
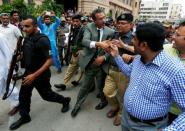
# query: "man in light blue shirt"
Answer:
x=156 y=80
x=49 y=29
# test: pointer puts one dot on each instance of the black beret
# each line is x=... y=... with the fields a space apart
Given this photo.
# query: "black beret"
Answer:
x=126 y=16
x=109 y=20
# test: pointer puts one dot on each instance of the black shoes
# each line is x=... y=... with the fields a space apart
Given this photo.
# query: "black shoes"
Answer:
x=60 y=86
x=98 y=95
x=101 y=105
x=65 y=107
x=19 y=123
x=75 y=83
x=75 y=111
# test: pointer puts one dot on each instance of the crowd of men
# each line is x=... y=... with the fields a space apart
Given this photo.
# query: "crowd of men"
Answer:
x=138 y=69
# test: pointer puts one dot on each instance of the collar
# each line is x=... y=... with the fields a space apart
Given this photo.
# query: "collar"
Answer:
x=127 y=35
x=159 y=59
x=100 y=29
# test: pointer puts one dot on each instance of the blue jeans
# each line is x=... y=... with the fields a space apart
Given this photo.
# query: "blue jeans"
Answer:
x=128 y=125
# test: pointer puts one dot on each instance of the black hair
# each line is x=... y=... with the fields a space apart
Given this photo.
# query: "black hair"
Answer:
x=182 y=23
x=93 y=14
x=46 y=16
x=68 y=17
x=34 y=20
x=153 y=34
x=13 y=12
x=77 y=16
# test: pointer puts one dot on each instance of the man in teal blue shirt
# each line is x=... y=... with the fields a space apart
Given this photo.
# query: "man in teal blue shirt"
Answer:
x=49 y=29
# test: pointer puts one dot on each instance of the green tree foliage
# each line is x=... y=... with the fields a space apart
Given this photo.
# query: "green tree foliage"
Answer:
x=31 y=8
x=6 y=1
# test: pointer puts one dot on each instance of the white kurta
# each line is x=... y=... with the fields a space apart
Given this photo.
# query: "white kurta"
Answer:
x=5 y=58
x=12 y=34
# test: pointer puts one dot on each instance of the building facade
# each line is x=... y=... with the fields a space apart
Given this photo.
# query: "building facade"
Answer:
x=111 y=7
x=155 y=10
x=176 y=12
x=160 y=10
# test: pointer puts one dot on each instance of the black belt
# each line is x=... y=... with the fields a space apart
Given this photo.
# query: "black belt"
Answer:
x=147 y=121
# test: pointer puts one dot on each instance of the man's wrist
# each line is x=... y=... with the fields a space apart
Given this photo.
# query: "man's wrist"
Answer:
x=97 y=44
x=125 y=46
x=115 y=55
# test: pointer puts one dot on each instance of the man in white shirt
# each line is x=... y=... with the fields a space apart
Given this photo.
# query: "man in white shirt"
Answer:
x=10 y=31
x=5 y=58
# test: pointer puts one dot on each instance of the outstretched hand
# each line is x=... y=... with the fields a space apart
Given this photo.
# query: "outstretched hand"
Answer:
x=114 y=50
x=103 y=44
x=119 y=43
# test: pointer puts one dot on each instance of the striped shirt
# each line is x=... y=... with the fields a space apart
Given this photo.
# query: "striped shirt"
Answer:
x=153 y=87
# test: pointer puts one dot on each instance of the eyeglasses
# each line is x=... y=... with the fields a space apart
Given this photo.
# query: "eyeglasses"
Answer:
x=177 y=35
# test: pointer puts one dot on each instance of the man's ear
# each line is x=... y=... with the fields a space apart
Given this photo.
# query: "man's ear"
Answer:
x=143 y=46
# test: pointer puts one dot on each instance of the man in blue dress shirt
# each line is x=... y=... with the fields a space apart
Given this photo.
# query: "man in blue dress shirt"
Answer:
x=156 y=80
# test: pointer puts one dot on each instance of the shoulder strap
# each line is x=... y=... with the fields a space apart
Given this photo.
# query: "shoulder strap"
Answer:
x=39 y=36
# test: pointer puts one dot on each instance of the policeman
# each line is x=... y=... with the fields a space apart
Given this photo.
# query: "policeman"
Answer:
x=37 y=60
x=116 y=82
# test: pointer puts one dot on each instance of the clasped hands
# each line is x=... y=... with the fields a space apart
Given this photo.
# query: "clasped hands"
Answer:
x=110 y=46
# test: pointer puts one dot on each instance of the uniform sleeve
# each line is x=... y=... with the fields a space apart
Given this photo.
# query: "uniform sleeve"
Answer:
x=44 y=45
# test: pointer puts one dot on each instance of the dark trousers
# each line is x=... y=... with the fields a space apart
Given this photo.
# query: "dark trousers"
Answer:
x=44 y=89
x=90 y=73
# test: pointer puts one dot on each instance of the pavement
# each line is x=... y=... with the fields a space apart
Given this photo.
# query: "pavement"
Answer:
x=47 y=116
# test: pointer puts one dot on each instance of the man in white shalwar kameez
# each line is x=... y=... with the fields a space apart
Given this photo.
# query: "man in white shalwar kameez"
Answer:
x=5 y=58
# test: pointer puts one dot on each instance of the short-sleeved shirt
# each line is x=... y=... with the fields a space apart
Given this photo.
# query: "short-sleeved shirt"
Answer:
x=36 y=50
x=168 y=48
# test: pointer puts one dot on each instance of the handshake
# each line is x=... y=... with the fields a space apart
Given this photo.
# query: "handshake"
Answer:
x=111 y=46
